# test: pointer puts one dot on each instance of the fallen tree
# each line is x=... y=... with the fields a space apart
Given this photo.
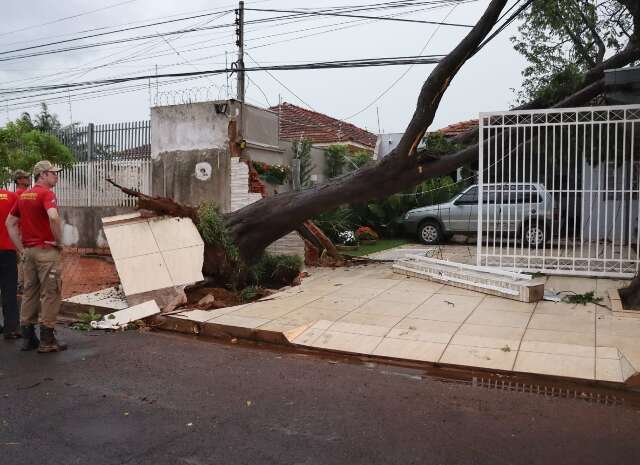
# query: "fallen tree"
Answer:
x=252 y=228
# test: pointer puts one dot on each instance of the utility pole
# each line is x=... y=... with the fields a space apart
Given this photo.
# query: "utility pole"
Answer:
x=240 y=44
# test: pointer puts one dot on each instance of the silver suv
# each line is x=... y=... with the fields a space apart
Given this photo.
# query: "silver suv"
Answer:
x=515 y=210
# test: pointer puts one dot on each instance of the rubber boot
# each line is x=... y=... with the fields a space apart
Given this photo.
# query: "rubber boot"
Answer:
x=48 y=342
x=30 y=341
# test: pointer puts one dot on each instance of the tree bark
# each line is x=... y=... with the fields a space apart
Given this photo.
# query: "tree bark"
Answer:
x=259 y=224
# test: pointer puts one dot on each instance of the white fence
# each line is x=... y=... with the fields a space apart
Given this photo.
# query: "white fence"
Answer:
x=85 y=185
x=559 y=191
x=119 y=151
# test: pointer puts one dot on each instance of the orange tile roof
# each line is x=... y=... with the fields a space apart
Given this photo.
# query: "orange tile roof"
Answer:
x=458 y=128
x=296 y=122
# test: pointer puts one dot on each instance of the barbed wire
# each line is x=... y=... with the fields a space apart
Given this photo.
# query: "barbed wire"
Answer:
x=189 y=95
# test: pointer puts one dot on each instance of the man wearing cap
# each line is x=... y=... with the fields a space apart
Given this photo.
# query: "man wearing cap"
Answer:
x=22 y=180
x=36 y=230
x=8 y=269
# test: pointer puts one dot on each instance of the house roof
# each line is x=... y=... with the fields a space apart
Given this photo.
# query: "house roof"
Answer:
x=458 y=128
x=298 y=122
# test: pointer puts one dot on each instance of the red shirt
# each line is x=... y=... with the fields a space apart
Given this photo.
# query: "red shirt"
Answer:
x=7 y=201
x=19 y=191
x=31 y=208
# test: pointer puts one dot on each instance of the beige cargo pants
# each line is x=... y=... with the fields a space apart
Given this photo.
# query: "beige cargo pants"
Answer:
x=42 y=293
x=20 y=273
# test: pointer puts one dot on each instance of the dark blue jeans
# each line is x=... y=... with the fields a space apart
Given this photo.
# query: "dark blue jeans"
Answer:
x=9 y=289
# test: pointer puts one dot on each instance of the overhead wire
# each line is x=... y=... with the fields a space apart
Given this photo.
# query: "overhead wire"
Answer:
x=272 y=43
x=409 y=68
x=66 y=18
x=81 y=47
x=379 y=18
x=147 y=57
x=286 y=67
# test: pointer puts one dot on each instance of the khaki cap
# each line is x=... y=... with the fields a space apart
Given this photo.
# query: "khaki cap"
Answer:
x=45 y=165
x=17 y=174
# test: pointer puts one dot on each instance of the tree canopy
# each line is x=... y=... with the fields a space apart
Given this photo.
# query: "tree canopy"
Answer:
x=26 y=141
x=563 y=39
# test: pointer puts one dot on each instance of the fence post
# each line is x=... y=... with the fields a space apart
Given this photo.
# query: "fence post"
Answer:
x=90 y=150
x=295 y=174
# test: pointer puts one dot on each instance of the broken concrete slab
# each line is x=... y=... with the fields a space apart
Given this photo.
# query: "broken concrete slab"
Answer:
x=122 y=318
x=155 y=257
x=103 y=302
x=510 y=285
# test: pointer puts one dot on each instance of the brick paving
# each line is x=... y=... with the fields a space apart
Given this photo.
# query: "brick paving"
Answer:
x=82 y=273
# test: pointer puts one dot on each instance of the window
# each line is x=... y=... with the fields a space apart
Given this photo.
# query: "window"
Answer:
x=468 y=198
x=520 y=197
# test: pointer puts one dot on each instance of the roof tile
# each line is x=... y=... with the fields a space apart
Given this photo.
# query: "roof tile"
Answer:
x=298 y=122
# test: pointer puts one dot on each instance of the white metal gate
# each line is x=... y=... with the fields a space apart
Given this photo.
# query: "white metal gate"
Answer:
x=559 y=191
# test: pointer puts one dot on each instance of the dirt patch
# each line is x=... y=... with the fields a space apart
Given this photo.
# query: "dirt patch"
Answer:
x=221 y=297
x=82 y=274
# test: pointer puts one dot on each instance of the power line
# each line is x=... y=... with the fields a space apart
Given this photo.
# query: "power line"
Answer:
x=59 y=20
x=508 y=21
x=84 y=31
x=394 y=83
x=100 y=34
x=279 y=82
x=336 y=64
x=380 y=18
x=296 y=14
x=111 y=42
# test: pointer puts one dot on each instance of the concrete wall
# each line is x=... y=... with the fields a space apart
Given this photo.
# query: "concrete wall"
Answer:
x=82 y=226
x=189 y=151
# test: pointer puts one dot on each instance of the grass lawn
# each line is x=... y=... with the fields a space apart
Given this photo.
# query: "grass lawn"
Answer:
x=382 y=244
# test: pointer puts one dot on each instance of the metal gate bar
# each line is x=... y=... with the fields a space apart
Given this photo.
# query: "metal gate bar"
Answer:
x=559 y=191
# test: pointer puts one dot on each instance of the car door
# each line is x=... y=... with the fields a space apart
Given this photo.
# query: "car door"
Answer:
x=463 y=209
x=490 y=210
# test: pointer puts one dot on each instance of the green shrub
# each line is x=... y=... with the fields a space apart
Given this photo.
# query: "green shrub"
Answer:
x=214 y=232
x=248 y=294
x=302 y=151
x=276 y=270
x=335 y=160
x=85 y=319
x=273 y=174
x=333 y=222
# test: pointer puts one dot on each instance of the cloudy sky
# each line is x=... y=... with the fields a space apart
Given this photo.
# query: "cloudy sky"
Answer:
x=484 y=84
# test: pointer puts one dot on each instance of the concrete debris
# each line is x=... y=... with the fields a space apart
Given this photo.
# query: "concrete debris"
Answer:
x=155 y=257
x=552 y=296
x=178 y=300
x=207 y=300
x=489 y=280
x=121 y=318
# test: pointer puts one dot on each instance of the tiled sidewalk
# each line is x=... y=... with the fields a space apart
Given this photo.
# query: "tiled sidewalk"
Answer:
x=370 y=310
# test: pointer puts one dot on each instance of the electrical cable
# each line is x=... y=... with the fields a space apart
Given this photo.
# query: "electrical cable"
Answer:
x=409 y=68
x=90 y=36
x=59 y=20
x=258 y=38
x=380 y=18
x=339 y=64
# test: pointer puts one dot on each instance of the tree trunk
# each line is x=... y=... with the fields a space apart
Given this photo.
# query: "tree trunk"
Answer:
x=256 y=226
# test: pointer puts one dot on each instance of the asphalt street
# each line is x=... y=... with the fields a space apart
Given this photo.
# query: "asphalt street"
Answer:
x=158 y=398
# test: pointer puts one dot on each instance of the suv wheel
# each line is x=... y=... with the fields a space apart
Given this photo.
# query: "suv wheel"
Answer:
x=430 y=233
x=534 y=236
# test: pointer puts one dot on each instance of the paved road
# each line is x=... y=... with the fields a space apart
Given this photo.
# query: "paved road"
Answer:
x=156 y=398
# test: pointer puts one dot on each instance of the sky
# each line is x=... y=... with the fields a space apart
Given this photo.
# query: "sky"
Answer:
x=485 y=83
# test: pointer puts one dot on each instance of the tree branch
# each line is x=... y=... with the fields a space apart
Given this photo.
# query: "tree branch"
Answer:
x=247 y=225
x=602 y=49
